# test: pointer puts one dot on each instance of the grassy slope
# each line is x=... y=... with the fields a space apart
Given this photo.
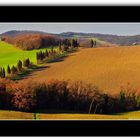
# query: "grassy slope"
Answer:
x=30 y=116
x=107 y=68
x=99 y=41
x=89 y=38
x=10 y=54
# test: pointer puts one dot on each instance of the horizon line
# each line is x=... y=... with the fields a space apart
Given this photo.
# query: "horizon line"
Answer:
x=72 y=32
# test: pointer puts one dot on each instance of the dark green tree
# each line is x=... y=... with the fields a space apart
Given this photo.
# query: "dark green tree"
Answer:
x=8 y=69
x=13 y=70
x=26 y=63
x=3 y=73
x=91 y=43
x=19 y=65
x=75 y=43
x=95 y=43
x=46 y=53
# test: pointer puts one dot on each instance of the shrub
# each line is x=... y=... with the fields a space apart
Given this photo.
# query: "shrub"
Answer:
x=23 y=96
x=5 y=96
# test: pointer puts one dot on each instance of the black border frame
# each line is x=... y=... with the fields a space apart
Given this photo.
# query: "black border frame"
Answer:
x=69 y=128
x=69 y=14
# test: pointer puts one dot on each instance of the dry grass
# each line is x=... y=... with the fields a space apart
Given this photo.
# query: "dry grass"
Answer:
x=16 y=115
x=134 y=115
x=108 y=68
x=80 y=117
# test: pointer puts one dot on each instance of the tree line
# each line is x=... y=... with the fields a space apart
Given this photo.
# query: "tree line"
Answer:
x=44 y=55
x=37 y=41
x=64 y=46
x=65 y=95
x=15 y=69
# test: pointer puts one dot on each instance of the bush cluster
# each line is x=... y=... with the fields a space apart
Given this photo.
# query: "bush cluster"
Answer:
x=31 y=41
x=64 y=95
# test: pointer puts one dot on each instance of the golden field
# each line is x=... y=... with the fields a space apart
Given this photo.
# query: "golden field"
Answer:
x=108 y=68
x=16 y=115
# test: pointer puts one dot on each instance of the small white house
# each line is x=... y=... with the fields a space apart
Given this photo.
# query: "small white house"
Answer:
x=135 y=43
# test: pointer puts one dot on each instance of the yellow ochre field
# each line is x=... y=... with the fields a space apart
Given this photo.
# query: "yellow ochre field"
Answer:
x=108 y=68
x=16 y=115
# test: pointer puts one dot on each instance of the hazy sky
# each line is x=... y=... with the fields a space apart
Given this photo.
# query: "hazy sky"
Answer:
x=105 y=28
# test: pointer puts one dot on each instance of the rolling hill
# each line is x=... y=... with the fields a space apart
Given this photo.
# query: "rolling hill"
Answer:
x=10 y=54
x=114 y=39
x=14 y=33
x=107 y=68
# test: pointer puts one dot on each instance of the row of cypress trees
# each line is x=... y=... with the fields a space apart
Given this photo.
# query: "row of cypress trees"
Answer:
x=14 y=69
x=44 y=55
x=2 y=72
x=93 y=43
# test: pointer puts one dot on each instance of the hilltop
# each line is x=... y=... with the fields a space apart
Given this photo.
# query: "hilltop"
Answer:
x=14 y=33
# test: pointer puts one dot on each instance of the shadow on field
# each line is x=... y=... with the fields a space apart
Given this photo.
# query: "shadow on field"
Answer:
x=40 y=68
x=57 y=60
x=63 y=57
x=28 y=73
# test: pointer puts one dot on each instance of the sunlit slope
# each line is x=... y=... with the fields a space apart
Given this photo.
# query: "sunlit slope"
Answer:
x=10 y=54
x=107 y=68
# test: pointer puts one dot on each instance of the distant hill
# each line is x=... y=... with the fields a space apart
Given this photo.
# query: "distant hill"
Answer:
x=108 y=38
x=28 y=40
x=14 y=33
x=114 y=39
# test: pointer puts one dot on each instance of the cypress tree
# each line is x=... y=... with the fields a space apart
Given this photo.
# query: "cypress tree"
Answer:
x=74 y=43
x=41 y=55
x=46 y=53
x=19 y=65
x=13 y=70
x=8 y=69
x=37 y=56
x=95 y=43
x=3 y=73
x=91 y=43
x=28 y=63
